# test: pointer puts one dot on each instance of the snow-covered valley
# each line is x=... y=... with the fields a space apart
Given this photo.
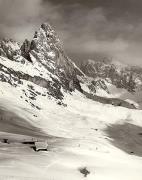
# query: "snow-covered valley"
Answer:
x=76 y=136
x=45 y=100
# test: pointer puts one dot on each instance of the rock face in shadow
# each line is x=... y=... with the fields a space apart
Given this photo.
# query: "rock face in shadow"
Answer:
x=25 y=49
x=17 y=77
x=125 y=77
x=46 y=51
x=54 y=70
x=127 y=137
x=112 y=101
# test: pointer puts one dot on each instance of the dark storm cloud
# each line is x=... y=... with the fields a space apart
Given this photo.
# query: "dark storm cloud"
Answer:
x=15 y=15
x=20 y=18
x=112 y=27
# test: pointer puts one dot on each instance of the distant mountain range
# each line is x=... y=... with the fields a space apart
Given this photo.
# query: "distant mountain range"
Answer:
x=117 y=79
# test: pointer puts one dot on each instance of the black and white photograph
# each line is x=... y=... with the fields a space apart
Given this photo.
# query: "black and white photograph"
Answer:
x=70 y=89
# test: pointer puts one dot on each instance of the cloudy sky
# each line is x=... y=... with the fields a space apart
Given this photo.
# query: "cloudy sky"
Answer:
x=86 y=27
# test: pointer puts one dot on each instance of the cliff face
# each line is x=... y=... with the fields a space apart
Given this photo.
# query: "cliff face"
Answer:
x=43 y=62
x=46 y=49
x=9 y=49
x=121 y=76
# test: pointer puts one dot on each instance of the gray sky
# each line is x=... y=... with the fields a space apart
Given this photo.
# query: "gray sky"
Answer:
x=112 y=27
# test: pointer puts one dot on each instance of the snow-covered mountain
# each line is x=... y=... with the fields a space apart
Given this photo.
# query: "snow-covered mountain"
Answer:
x=46 y=99
x=119 y=80
x=44 y=63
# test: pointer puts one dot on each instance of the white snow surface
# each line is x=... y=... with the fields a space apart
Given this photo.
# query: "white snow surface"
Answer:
x=77 y=145
x=28 y=68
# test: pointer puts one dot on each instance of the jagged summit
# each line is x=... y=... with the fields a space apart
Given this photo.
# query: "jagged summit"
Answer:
x=46 y=48
x=45 y=41
x=43 y=62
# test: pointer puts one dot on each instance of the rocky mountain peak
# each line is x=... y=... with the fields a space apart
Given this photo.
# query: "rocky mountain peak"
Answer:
x=117 y=74
x=45 y=45
x=9 y=48
x=43 y=62
x=51 y=35
x=47 y=49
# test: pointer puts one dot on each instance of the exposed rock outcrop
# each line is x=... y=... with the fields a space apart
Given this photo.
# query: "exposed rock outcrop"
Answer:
x=43 y=62
x=122 y=77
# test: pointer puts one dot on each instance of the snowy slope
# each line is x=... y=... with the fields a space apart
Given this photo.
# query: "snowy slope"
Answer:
x=119 y=80
x=82 y=140
x=42 y=99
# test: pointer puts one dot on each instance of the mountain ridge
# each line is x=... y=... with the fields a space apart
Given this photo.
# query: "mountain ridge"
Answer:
x=43 y=61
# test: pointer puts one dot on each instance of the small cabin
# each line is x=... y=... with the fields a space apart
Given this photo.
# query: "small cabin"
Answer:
x=41 y=146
